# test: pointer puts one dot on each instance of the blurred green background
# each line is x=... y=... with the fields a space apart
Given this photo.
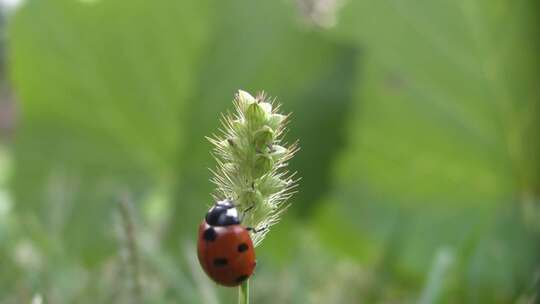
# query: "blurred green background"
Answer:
x=418 y=124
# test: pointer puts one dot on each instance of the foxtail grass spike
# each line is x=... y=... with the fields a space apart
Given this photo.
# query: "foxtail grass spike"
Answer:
x=252 y=162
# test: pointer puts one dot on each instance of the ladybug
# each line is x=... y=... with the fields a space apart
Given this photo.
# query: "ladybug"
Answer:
x=224 y=248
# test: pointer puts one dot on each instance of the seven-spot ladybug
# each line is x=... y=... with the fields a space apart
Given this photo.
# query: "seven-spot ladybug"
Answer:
x=224 y=246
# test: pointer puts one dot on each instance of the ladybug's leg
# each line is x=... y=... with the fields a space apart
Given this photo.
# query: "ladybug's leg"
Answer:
x=248 y=209
x=245 y=211
x=257 y=230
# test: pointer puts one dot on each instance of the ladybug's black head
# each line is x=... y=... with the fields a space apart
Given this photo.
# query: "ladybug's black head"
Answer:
x=223 y=213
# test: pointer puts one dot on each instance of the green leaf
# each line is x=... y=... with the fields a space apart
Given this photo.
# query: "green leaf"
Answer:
x=102 y=88
x=259 y=45
x=442 y=138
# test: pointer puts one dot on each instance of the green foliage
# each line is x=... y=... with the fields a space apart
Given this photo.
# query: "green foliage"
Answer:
x=307 y=71
x=95 y=115
x=418 y=124
x=443 y=149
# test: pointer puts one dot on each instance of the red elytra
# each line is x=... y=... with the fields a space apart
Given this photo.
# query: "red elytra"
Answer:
x=224 y=248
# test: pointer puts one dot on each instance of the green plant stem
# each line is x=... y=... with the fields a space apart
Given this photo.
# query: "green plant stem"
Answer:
x=243 y=293
x=131 y=244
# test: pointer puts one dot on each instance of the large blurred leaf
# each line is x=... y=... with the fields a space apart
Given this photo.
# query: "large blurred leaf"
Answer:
x=258 y=45
x=442 y=144
x=102 y=85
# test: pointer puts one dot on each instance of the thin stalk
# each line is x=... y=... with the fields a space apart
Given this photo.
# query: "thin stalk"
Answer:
x=243 y=293
x=131 y=246
x=437 y=275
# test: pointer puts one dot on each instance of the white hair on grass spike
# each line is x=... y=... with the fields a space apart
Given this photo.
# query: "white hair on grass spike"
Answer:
x=252 y=160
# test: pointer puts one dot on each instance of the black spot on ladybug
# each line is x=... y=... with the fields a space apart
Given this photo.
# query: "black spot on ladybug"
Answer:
x=242 y=247
x=210 y=234
x=220 y=262
x=241 y=278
